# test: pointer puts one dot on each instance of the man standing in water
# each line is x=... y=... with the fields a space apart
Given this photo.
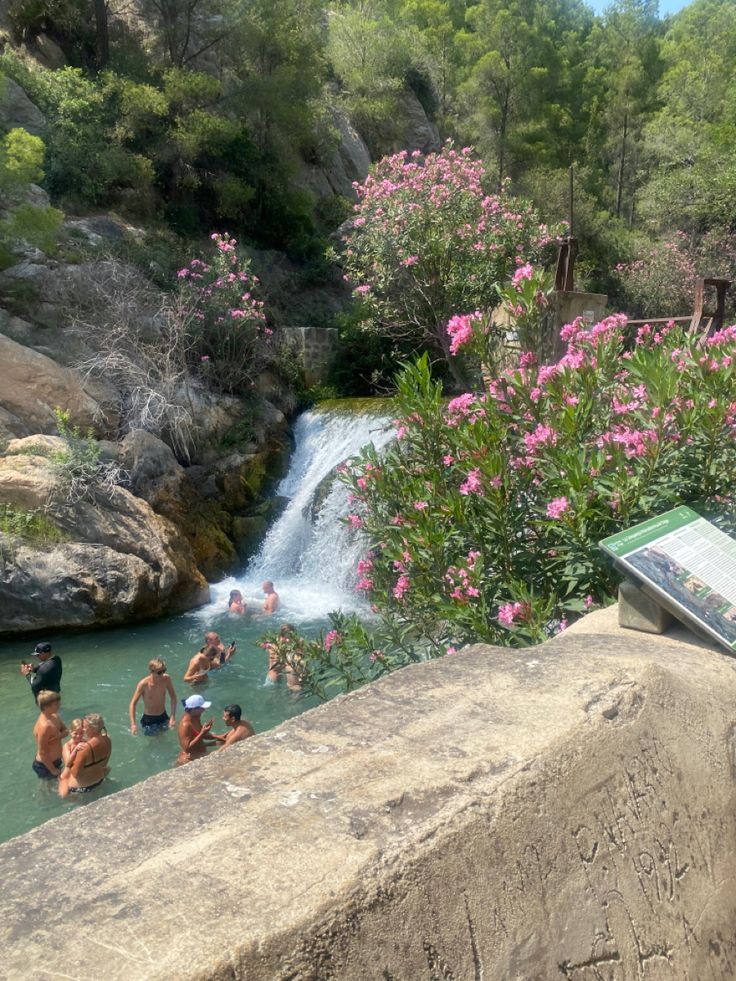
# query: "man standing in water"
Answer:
x=153 y=690
x=241 y=728
x=271 y=603
x=192 y=734
x=48 y=732
x=47 y=676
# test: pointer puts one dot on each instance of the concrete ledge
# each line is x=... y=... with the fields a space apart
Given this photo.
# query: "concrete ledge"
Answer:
x=566 y=812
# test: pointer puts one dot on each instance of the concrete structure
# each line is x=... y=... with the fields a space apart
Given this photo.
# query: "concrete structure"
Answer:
x=563 y=812
x=318 y=347
x=566 y=306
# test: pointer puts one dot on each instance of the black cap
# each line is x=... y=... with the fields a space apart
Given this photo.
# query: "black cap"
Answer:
x=42 y=649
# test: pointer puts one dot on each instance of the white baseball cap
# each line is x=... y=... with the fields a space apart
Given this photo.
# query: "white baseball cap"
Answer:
x=196 y=702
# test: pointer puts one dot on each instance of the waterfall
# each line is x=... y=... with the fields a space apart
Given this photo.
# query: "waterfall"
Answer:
x=309 y=553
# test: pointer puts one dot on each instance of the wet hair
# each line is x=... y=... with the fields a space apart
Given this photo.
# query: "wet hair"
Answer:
x=235 y=594
x=76 y=725
x=95 y=721
x=267 y=582
x=211 y=652
x=287 y=628
x=156 y=664
x=48 y=698
x=234 y=710
x=210 y=633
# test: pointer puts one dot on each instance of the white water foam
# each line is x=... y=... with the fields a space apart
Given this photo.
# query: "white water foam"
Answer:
x=311 y=560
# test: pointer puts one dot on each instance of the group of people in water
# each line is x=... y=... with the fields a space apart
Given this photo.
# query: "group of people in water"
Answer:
x=81 y=763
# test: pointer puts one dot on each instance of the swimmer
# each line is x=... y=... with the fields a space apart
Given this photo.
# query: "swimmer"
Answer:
x=193 y=736
x=48 y=732
x=153 y=690
x=278 y=652
x=89 y=767
x=212 y=639
x=199 y=665
x=271 y=603
x=241 y=728
x=70 y=747
x=236 y=603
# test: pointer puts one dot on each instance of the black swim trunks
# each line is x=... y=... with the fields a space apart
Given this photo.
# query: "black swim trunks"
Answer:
x=154 y=723
x=43 y=772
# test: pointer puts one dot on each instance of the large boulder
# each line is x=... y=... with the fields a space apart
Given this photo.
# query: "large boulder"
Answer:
x=117 y=561
x=17 y=111
x=349 y=162
x=409 y=129
x=32 y=385
x=561 y=813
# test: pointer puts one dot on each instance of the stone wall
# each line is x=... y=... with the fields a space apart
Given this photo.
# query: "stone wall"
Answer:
x=317 y=347
x=563 y=812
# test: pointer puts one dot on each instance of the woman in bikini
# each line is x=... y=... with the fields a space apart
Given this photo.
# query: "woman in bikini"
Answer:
x=89 y=767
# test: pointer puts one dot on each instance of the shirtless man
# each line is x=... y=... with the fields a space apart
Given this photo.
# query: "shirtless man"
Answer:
x=48 y=732
x=271 y=603
x=241 y=728
x=153 y=689
x=193 y=736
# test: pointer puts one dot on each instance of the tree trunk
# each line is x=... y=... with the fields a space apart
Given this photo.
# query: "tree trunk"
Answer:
x=621 y=164
x=102 y=39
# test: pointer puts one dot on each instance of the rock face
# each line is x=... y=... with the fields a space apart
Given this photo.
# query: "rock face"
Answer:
x=118 y=560
x=17 y=111
x=564 y=812
x=33 y=385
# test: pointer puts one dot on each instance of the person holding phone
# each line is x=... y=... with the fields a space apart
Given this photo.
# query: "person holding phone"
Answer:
x=193 y=734
x=47 y=675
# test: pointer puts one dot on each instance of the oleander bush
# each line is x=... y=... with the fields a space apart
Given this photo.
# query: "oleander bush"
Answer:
x=429 y=238
x=482 y=518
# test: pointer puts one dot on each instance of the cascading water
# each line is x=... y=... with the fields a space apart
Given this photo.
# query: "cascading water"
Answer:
x=309 y=553
x=311 y=557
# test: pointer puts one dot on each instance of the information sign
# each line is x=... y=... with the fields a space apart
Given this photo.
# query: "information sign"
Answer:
x=686 y=564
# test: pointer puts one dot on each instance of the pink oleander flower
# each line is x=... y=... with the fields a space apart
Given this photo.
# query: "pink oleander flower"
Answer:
x=523 y=272
x=589 y=601
x=332 y=637
x=460 y=329
x=355 y=521
x=472 y=485
x=509 y=613
x=557 y=507
x=420 y=505
x=401 y=587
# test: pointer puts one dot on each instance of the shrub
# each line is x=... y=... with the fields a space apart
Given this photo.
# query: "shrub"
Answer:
x=231 y=342
x=661 y=281
x=481 y=520
x=31 y=526
x=429 y=240
x=83 y=473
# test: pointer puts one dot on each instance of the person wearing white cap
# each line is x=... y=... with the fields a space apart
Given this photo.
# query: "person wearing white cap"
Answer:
x=193 y=735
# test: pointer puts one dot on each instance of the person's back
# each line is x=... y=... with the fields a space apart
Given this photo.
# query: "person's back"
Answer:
x=48 y=732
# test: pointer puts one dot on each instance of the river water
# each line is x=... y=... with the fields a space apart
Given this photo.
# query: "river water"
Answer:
x=308 y=553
